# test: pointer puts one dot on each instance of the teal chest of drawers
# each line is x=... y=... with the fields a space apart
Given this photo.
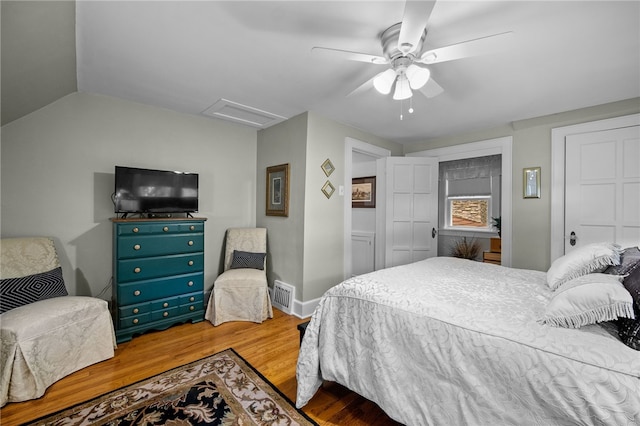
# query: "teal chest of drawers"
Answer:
x=158 y=274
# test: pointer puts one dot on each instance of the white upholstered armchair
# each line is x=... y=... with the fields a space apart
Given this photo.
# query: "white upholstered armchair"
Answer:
x=241 y=292
x=45 y=334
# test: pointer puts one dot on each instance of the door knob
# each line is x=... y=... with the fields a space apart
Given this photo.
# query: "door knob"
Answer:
x=433 y=232
x=572 y=238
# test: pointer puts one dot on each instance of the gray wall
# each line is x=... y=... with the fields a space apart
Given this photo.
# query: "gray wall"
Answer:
x=307 y=247
x=531 y=148
x=38 y=54
x=57 y=176
x=283 y=143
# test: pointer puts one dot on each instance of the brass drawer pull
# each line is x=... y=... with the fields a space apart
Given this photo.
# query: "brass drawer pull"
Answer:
x=165 y=229
x=137 y=293
x=135 y=229
x=165 y=314
x=136 y=247
x=136 y=310
x=190 y=283
x=190 y=243
x=191 y=263
x=135 y=320
x=137 y=270
x=165 y=304
x=192 y=228
x=192 y=308
x=191 y=299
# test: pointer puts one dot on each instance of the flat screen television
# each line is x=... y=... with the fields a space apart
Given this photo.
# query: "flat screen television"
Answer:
x=148 y=191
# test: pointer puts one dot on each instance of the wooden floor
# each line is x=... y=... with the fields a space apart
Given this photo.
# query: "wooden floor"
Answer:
x=271 y=347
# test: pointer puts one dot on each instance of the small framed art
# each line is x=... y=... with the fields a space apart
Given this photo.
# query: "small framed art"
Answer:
x=277 y=202
x=327 y=167
x=327 y=189
x=363 y=192
x=531 y=182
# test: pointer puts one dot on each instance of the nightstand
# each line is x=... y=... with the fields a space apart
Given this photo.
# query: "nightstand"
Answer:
x=495 y=254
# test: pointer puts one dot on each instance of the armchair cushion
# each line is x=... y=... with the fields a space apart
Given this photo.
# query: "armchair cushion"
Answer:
x=20 y=257
x=47 y=340
x=245 y=259
x=241 y=278
x=15 y=292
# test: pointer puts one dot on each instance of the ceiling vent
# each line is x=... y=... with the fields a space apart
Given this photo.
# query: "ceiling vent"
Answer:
x=242 y=114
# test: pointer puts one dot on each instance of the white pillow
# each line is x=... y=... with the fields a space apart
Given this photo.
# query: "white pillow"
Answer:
x=588 y=299
x=595 y=257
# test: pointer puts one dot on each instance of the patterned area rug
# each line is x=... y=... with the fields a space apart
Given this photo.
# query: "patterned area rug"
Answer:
x=222 y=389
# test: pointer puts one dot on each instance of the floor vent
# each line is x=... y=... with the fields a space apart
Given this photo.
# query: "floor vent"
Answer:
x=283 y=296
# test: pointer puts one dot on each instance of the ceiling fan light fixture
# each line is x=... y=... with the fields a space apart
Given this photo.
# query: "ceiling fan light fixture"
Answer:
x=384 y=81
x=417 y=76
x=403 y=91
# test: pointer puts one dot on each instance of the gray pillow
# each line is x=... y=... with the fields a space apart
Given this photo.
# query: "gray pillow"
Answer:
x=245 y=259
x=629 y=260
x=15 y=292
x=629 y=268
x=629 y=332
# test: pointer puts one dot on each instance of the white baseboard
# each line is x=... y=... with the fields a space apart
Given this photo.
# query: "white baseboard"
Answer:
x=301 y=309
x=305 y=309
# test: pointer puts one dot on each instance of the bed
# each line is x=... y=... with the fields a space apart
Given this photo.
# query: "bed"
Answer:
x=448 y=341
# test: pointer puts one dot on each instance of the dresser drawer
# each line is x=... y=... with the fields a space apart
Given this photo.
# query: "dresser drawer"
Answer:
x=191 y=298
x=138 y=309
x=135 y=246
x=147 y=290
x=164 y=313
x=190 y=308
x=159 y=227
x=490 y=257
x=144 y=268
x=134 y=321
x=171 y=302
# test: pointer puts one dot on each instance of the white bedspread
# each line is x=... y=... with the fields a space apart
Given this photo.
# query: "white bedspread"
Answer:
x=448 y=341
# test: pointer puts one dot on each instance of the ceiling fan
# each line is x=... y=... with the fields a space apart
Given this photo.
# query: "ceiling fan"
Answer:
x=402 y=47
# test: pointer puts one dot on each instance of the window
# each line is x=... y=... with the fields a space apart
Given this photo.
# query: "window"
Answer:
x=470 y=193
x=469 y=212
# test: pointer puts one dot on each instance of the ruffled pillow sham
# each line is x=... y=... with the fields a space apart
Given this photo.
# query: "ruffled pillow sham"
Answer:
x=591 y=258
x=589 y=299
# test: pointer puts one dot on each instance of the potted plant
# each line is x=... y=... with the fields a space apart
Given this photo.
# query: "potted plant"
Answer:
x=496 y=222
x=466 y=249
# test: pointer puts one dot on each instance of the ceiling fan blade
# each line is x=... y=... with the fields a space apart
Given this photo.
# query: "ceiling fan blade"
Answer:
x=414 y=21
x=351 y=56
x=431 y=89
x=367 y=85
x=480 y=46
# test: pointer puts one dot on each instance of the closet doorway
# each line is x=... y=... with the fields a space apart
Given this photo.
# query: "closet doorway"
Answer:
x=598 y=162
x=360 y=158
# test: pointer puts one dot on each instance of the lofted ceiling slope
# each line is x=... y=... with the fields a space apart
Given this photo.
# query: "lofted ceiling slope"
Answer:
x=190 y=56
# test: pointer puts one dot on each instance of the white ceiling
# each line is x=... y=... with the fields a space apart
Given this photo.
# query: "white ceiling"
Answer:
x=186 y=56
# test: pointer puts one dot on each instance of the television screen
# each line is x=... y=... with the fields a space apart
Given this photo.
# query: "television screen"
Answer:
x=155 y=191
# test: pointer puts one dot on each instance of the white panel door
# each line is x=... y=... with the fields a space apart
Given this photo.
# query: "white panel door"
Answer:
x=602 y=195
x=362 y=252
x=411 y=209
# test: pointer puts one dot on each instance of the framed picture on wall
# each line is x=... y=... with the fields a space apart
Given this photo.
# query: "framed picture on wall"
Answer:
x=277 y=202
x=531 y=182
x=363 y=192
